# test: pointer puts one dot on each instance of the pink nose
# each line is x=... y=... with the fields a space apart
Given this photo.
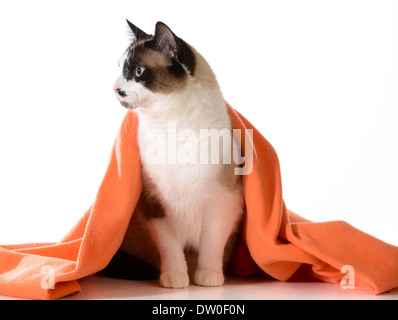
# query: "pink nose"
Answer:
x=116 y=90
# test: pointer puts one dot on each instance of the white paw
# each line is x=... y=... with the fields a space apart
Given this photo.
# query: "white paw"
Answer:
x=174 y=279
x=208 y=278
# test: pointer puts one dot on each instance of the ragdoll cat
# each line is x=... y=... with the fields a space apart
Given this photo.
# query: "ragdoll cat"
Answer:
x=188 y=204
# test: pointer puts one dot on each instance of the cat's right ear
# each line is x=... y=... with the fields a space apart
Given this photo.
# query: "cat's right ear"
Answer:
x=166 y=40
x=137 y=32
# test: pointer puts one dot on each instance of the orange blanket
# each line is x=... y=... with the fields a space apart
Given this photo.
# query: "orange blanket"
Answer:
x=280 y=242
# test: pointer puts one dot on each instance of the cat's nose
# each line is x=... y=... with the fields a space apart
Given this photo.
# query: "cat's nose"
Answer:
x=120 y=92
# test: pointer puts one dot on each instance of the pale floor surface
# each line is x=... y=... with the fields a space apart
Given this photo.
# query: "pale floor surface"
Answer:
x=96 y=287
x=101 y=288
x=234 y=289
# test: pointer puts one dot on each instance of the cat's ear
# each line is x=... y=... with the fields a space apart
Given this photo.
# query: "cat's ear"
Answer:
x=166 y=41
x=137 y=32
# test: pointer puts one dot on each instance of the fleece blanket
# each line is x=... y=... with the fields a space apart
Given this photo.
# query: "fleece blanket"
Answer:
x=279 y=242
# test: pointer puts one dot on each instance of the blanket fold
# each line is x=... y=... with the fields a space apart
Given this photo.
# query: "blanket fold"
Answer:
x=276 y=240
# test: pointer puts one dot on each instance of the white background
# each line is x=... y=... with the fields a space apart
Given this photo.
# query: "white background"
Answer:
x=319 y=79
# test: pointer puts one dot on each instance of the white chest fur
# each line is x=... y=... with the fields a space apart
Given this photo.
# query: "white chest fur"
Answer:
x=171 y=157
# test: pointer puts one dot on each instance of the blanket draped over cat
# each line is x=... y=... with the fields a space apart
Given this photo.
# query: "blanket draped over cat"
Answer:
x=277 y=241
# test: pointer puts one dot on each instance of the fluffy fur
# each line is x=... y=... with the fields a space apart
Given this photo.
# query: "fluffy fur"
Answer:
x=196 y=206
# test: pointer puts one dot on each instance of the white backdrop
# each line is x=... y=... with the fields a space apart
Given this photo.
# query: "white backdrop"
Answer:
x=318 y=78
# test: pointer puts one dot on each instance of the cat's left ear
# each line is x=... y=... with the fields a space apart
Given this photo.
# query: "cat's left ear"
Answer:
x=166 y=41
x=137 y=32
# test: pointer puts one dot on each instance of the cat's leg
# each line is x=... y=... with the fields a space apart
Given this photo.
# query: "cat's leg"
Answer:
x=173 y=266
x=219 y=222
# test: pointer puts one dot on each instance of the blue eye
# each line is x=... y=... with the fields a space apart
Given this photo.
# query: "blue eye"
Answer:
x=139 y=71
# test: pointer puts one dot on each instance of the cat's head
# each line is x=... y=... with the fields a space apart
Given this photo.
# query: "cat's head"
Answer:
x=153 y=66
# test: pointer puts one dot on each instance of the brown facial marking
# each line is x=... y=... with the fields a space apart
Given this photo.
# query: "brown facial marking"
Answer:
x=162 y=73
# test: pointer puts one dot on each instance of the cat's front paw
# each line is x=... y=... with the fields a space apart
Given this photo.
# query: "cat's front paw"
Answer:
x=208 y=278
x=174 y=279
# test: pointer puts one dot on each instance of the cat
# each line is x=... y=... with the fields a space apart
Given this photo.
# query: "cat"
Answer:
x=190 y=206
